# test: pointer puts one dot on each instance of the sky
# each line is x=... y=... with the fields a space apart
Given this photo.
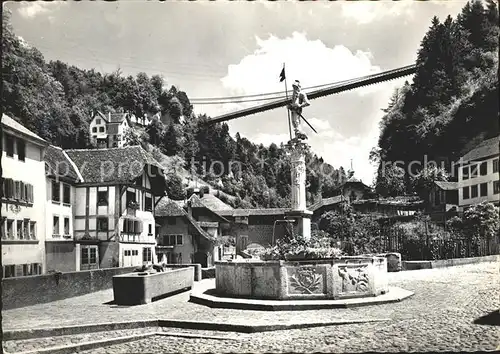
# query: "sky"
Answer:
x=221 y=49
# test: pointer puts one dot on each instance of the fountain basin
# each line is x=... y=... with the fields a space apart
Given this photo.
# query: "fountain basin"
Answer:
x=334 y=278
x=142 y=288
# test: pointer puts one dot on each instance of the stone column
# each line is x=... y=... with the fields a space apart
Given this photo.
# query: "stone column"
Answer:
x=299 y=211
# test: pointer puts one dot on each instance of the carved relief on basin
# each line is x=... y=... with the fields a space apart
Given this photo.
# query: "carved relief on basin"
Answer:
x=306 y=280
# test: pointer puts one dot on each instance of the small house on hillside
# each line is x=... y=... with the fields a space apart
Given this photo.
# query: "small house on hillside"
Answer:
x=478 y=174
x=354 y=189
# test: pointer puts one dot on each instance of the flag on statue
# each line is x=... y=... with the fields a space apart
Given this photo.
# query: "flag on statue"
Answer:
x=282 y=74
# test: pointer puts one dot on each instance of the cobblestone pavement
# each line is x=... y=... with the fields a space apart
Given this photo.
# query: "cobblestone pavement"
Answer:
x=439 y=317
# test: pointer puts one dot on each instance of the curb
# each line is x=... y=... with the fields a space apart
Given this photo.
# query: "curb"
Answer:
x=297 y=305
x=72 y=348
x=20 y=334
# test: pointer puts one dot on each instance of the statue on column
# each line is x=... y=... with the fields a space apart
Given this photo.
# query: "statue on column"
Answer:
x=299 y=100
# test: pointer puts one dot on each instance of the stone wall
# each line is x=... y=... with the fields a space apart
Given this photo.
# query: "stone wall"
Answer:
x=32 y=290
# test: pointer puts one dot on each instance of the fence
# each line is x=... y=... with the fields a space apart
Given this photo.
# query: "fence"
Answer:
x=433 y=249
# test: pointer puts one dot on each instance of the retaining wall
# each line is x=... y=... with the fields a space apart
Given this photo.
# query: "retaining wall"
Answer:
x=31 y=290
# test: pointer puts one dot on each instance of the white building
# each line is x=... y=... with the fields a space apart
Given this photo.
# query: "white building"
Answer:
x=23 y=200
x=109 y=130
x=62 y=253
x=478 y=174
x=114 y=222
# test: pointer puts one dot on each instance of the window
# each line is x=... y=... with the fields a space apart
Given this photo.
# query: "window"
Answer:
x=88 y=255
x=148 y=206
x=135 y=252
x=101 y=129
x=473 y=171
x=473 y=191
x=495 y=166
x=126 y=253
x=496 y=187
x=66 y=226
x=20 y=229
x=17 y=190
x=33 y=230
x=465 y=191
x=171 y=220
x=4 y=224
x=26 y=269
x=21 y=150
x=132 y=226
x=55 y=226
x=56 y=192
x=26 y=229
x=9 y=271
x=130 y=197
x=483 y=168
x=28 y=193
x=172 y=240
x=483 y=189
x=147 y=255
x=138 y=181
x=102 y=198
x=150 y=229
x=8 y=188
x=98 y=121
x=9 y=145
x=102 y=224
x=66 y=194
x=94 y=130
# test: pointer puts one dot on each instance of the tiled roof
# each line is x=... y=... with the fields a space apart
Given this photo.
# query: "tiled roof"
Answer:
x=58 y=165
x=116 y=117
x=214 y=203
x=197 y=202
x=447 y=186
x=252 y=212
x=14 y=125
x=117 y=165
x=168 y=207
x=326 y=201
x=488 y=147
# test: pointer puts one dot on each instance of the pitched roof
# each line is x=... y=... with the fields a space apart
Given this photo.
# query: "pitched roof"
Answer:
x=58 y=164
x=447 y=186
x=196 y=202
x=487 y=148
x=214 y=203
x=116 y=117
x=18 y=127
x=168 y=207
x=253 y=212
x=327 y=201
x=117 y=165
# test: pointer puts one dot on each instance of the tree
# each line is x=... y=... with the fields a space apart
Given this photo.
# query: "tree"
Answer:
x=390 y=180
x=175 y=189
x=170 y=141
x=424 y=180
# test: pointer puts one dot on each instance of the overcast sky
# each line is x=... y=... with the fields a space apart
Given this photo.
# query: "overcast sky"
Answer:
x=214 y=49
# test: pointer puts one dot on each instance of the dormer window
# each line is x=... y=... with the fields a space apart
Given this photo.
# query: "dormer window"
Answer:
x=98 y=121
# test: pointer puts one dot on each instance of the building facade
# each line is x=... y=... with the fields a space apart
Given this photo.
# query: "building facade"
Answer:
x=114 y=214
x=108 y=131
x=61 y=253
x=23 y=200
x=478 y=175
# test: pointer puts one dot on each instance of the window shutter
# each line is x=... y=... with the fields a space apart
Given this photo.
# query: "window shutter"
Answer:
x=31 y=200
x=10 y=188
x=139 y=224
x=125 y=228
x=17 y=190
x=23 y=191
